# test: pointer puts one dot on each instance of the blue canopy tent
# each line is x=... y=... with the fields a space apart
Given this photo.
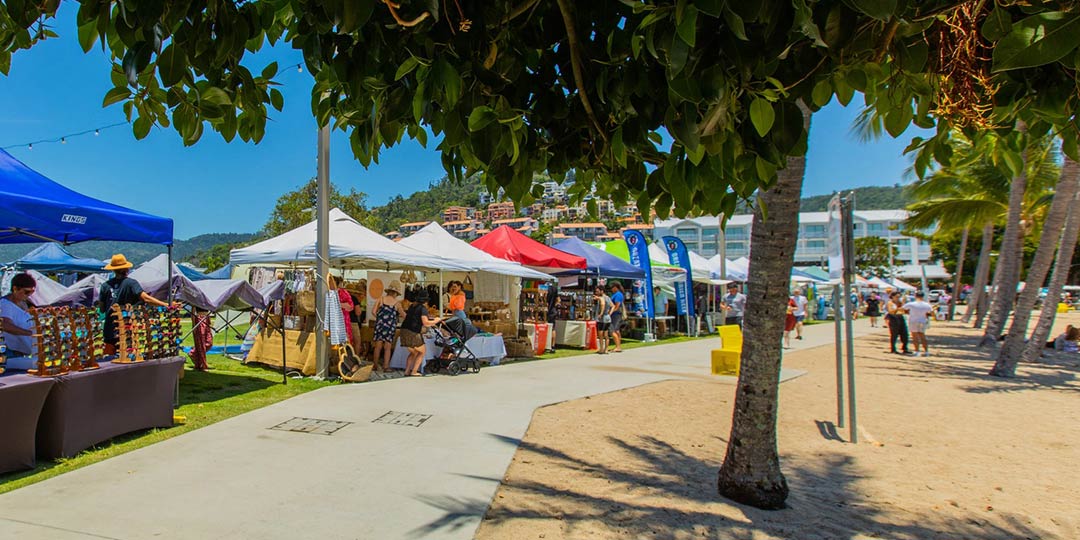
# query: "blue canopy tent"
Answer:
x=225 y=272
x=597 y=261
x=52 y=257
x=191 y=273
x=35 y=209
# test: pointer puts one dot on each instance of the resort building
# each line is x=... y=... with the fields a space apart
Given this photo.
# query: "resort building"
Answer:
x=523 y=225
x=394 y=235
x=458 y=213
x=702 y=234
x=464 y=229
x=589 y=232
x=500 y=210
x=409 y=228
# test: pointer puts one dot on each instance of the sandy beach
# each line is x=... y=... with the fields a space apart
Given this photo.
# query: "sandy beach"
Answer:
x=945 y=452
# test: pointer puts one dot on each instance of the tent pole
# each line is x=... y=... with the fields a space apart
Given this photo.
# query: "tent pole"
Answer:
x=169 y=298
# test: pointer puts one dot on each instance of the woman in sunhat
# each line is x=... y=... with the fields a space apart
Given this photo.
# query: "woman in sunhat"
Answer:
x=120 y=290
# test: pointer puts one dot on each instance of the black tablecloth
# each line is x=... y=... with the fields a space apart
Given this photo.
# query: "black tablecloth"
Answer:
x=89 y=407
x=21 y=399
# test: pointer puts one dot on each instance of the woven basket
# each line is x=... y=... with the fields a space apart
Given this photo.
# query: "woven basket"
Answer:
x=516 y=348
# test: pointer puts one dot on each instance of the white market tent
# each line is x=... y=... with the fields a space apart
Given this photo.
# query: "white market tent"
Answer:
x=351 y=246
x=435 y=240
x=896 y=282
x=699 y=266
x=915 y=271
x=733 y=273
x=879 y=283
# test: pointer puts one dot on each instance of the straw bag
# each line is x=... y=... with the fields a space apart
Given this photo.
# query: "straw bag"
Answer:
x=467 y=287
x=305 y=303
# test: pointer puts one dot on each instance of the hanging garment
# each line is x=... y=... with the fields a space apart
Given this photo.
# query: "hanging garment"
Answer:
x=335 y=320
x=202 y=333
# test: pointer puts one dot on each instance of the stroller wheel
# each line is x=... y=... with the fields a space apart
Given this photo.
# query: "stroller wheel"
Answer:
x=453 y=367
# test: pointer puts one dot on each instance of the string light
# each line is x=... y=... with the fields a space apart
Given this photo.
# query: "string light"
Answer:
x=97 y=131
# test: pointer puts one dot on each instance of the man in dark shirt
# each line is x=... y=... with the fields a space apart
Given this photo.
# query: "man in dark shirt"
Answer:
x=121 y=290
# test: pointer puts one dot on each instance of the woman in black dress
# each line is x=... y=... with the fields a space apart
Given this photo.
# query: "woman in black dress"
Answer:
x=873 y=309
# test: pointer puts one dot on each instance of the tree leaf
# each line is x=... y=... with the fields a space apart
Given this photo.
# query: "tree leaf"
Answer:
x=355 y=13
x=480 y=117
x=276 y=99
x=141 y=127
x=735 y=22
x=115 y=95
x=406 y=67
x=171 y=65
x=687 y=28
x=822 y=92
x=215 y=95
x=762 y=116
x=712 y=8
x=997 y=24
x=270 y=70
x=898 y=119
x=1038 y=40
x=878 y=9
x=88 y=35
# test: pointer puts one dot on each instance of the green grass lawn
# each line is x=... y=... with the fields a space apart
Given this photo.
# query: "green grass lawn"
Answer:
x=229 y=389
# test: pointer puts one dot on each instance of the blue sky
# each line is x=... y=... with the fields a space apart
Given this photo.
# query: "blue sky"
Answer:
x=55 y=89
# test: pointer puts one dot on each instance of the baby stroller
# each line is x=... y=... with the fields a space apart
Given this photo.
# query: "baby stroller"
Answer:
x=456 y=357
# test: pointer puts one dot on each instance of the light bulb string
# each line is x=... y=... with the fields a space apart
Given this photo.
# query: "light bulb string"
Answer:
x=97 y=130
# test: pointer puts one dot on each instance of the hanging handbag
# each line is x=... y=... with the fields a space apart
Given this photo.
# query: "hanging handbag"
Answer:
x=467 y=287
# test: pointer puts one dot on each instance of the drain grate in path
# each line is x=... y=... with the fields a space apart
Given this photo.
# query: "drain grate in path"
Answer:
x=399 y=418
x=311 y=425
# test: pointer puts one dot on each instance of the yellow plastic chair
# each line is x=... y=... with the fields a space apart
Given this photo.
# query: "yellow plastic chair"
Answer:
x=725 y=360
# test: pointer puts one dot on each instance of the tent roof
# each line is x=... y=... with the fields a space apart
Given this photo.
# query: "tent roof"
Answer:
x=662 y=273
x=506 y=243
x=351 y=246
x=209 y=294
x=52 y=257
x=701 y=273
x=36 y=209
x=914 y=271
x=599 y=261
x=733 y=272
x=435 y=240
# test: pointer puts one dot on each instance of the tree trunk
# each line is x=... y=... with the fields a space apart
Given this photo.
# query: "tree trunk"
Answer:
x=751 y=470
x=1065 y=193
x=1010 y=258
x=959 y=272
x=982 y=272
x=1069 y=238
x=984 y=302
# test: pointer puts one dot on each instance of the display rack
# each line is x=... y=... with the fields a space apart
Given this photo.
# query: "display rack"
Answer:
x=574 y=306
x=51 y=344
x=534 y=305
x=130 y=333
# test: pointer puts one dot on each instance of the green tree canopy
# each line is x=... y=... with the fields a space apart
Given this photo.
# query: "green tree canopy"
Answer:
x=874 y=256
x=297 y=207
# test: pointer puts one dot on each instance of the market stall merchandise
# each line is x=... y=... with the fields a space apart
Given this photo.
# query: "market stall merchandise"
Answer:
x=21 y=400
x=489 y=349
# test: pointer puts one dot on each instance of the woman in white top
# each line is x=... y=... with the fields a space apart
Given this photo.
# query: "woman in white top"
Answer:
x=17 y=324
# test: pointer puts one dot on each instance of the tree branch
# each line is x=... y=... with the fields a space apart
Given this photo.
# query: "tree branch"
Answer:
x=575 y=64
x=518 y=11
x=393 y=6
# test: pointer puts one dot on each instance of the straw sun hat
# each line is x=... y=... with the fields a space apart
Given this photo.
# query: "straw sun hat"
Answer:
x=394 y=286
x=118 y=262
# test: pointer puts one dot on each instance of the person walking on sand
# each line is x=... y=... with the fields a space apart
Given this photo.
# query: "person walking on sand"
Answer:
x=897 y=325
x=919 y=313
x=789 y=322
x=873 y=309
x=800 y=311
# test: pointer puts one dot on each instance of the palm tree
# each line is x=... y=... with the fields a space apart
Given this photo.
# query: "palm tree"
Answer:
x=751 y=470
x=958 y=197
x=1069 y=238
x=1041 y=171
x=1067 y=187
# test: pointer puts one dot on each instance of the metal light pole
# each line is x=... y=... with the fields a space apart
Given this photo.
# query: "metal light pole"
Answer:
x=721 y=249
x=322 y=249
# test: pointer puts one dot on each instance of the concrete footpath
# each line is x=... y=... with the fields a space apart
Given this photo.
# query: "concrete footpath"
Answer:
x=416 y=478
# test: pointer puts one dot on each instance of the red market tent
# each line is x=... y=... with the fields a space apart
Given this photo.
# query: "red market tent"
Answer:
x=506 y=243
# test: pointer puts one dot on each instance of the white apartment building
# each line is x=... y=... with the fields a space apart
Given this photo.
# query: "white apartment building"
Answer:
x=701 y=234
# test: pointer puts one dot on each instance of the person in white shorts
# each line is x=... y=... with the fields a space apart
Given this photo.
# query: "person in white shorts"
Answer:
x=919 y=313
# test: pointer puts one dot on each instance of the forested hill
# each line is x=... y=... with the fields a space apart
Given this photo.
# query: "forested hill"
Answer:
x=426 y=205
x=866 y=198
x=136 y=253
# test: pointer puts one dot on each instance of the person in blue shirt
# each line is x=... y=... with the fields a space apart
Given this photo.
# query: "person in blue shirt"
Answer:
x=617 y=301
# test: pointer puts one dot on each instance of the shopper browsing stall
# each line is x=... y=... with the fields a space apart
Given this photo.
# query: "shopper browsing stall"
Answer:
x=618 y=302
x=412 y=329
x=120 y=290
x=16 y=322
x=602 y=312
x=456 y=305
x=388 y=312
